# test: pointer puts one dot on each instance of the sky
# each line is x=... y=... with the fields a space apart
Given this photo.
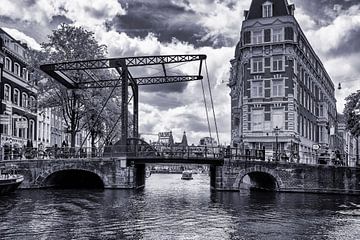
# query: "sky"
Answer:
x=211 y=27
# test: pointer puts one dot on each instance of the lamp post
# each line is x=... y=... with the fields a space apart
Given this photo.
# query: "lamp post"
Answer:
x=276 y=130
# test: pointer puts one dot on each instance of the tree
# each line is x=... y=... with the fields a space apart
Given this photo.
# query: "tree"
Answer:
x=352 y=113
x=65 y=44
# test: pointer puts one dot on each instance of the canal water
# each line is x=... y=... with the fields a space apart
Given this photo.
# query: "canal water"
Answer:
x=170 y=208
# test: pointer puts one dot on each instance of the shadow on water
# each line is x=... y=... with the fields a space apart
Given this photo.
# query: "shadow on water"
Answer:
x=73 y=179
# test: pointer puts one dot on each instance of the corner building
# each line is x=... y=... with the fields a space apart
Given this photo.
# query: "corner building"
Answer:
x=277 y=80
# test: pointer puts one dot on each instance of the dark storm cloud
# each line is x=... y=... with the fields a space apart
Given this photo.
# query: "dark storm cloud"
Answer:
x=323 y=12
x=59 y=19
x=350 y=45
x=195 y=123
x=166 y=88
x=161 y=101
x=166 y=20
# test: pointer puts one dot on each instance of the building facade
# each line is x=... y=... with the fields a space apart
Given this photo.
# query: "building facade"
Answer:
x=18 y=94
x=282 y=98
x=21 y=122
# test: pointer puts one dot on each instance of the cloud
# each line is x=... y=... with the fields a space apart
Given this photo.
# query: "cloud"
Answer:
x=82 y=12
x=199 y=22
x=336 y=33
x=176 y=107
x=18 y=35
x=212 y=27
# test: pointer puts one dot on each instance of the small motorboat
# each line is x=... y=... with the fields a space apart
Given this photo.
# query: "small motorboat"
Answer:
x=186 y=175
x=147 y=172
x=9 y=179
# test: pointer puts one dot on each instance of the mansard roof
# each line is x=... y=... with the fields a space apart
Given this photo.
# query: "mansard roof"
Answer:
x=280 y=8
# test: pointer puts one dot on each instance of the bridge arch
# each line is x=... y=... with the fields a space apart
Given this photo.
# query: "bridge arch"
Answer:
x=71 y=177
x=263 y=177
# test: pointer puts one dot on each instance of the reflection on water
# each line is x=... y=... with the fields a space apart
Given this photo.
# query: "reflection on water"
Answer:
x=169 y=208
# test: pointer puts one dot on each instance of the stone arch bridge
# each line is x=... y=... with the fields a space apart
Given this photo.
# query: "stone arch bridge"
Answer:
x=228 y=175
x=285 y=177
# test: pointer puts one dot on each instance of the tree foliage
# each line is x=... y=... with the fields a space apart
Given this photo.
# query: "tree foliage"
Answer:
x=80 y=108
x=352 y=113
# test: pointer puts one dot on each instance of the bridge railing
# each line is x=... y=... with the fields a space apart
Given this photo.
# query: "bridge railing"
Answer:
x=110 y=151
x=293 y=157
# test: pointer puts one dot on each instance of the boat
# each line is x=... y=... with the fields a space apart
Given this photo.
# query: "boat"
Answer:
x=9 y=180
x=147 y=172
x=186 y=175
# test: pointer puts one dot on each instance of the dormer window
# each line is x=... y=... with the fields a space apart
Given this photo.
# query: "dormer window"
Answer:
x=267 y=9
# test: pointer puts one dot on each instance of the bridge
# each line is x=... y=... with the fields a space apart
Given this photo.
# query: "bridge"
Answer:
x=122 y=165
x=104 y=168
x=228 y=171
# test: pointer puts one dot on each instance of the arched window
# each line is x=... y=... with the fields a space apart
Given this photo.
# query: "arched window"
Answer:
x=17 y=69
x=25 y=74
x=8 y=63
x=24 y=100
x=16 y=97
x=7 y=92
x=32 y=103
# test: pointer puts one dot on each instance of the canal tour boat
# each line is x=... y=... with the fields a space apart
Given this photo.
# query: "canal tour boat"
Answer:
x=9 y=180
x=186 y=175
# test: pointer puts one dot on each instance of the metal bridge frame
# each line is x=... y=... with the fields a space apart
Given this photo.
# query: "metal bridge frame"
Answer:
x=59 y=71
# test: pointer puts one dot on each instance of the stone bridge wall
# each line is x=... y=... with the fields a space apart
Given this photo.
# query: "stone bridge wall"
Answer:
x=290 y=177
x=113 y=172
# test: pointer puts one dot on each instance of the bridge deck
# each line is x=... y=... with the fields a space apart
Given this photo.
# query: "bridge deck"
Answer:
x=177 y=160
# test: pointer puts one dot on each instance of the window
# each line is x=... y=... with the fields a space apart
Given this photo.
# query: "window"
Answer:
x=32 y=129
x=257 y=120
x=278 y=118
x=278 y=63
x=277 y=35
x=278 y=88
x=5 y=125
x=17 y=69
x=257 y=65
x=321 y=111
x=257 y=89
x=32 y=103
x=16 y=97
x=25 y=74
x=295 y=67
x=257 y=37
x=24 y=100
x=267 y=9
x=8 y=64
x=7 y=92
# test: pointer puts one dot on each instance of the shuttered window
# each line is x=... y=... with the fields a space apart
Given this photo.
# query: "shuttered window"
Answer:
x=267 y=35
x=289 y=33
x=247 y=37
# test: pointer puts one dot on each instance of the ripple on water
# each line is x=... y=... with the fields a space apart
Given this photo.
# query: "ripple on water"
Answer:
x=169 y=208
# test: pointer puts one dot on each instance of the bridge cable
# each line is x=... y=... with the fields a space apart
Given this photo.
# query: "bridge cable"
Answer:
x=206 y=109
x=98 y=115
x=212 y=102
x=113 y=127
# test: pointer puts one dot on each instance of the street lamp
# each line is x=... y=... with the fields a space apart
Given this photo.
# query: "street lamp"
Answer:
x=276 y=130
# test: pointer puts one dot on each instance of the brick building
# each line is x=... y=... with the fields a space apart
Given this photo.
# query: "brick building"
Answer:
x=18 y=94
x=282 y=98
